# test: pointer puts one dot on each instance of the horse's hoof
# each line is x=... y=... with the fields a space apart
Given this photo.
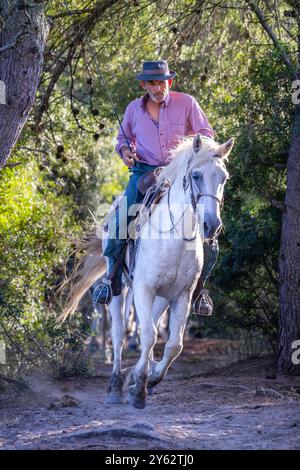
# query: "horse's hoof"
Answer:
x=150 y=391
x=114 y=398
x=152 y=382
x=136 y=402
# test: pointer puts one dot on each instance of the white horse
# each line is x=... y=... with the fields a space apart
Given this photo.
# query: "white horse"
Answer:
x=168 y=262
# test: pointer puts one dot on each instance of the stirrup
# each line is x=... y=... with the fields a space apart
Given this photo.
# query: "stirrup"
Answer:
x=103 y=293
x=203 y=305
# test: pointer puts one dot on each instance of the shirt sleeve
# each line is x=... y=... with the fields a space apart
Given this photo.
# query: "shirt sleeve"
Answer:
x=198 y=121
x=127 y=127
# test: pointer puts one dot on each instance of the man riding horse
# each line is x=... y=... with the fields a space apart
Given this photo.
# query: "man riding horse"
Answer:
x=150 y=128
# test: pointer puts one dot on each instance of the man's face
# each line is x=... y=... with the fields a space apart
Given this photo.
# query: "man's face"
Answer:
x=157 y=89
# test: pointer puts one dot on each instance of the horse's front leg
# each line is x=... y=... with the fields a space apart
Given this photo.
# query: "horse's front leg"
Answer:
x=159 y=308
x=179 y=310
x=116 y=308
x=137 y=392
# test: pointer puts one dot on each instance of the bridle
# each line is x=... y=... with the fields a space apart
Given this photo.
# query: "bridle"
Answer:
x=188 y=182
x=195 y=199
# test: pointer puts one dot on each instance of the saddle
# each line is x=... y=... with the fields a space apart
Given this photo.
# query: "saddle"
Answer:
x=147 y=187
x=147 y=180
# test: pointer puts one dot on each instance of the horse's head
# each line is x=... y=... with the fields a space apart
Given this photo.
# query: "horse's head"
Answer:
x=208 y=176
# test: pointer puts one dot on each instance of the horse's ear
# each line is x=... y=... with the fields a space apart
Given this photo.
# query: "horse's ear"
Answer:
x=227 y=147
x=197 y=142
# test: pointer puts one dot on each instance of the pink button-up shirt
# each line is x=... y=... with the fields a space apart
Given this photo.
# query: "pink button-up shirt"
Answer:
x=179 y=115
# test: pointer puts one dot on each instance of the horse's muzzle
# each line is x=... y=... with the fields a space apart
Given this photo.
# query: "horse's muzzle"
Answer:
x=211 y=226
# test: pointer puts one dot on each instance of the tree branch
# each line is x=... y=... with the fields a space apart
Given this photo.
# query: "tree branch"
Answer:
x=270 y=33
x=279 y=205
x=32 y=150
x=63 y=14
x=13 y=165
x=57 y=73
x=18 y=385
x=280 y=166
x=82 y=30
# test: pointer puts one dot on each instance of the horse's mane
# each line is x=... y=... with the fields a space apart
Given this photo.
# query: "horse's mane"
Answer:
x=181 y=154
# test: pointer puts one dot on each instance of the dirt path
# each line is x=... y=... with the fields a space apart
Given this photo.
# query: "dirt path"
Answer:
x=234 y=407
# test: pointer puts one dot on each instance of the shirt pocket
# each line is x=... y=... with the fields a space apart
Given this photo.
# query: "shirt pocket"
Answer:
x=177 y=131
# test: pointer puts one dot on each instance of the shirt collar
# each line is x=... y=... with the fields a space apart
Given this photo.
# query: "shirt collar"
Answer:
x=167 y=100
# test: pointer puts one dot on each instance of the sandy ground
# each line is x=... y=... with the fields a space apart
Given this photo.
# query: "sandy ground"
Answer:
x=197 y=406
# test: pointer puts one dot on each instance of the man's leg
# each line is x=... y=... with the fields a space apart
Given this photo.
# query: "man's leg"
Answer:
x=116 y=243
x=118 y=234
x=202 y=303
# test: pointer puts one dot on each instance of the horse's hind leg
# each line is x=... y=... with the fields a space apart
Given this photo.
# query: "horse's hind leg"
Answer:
x=115 y=389
x=137 y=392
x=134 y=339
x=179 y=312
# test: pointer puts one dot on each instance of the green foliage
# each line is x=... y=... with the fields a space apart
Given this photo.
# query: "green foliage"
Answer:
x=259 y=117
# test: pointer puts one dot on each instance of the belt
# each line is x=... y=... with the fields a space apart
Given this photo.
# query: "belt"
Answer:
x=144 y=166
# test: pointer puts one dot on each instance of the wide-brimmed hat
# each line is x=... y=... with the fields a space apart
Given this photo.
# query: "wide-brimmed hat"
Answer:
x=156 y=70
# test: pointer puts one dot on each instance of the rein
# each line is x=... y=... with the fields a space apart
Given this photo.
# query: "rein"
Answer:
x=181 y=217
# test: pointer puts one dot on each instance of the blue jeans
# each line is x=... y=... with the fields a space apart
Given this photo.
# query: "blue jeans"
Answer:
x=116 y=244
x=211 y=252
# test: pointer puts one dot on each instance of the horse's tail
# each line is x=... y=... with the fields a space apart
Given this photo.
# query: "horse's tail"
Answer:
x=90 y=267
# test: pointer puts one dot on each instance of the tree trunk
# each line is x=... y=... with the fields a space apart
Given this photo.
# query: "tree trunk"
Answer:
x=22 y=40
x=289 y=258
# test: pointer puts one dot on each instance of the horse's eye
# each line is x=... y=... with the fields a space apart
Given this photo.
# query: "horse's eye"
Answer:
x=196 y=175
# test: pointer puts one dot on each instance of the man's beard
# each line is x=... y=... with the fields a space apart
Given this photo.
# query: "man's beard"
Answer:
x=162 y=95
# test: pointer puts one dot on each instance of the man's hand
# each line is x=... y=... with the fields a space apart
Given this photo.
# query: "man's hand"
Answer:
x=128 y=156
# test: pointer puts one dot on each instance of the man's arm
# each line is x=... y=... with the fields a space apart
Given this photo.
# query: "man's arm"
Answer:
x=127 y=154
x=198 y=121
x=126 y=124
